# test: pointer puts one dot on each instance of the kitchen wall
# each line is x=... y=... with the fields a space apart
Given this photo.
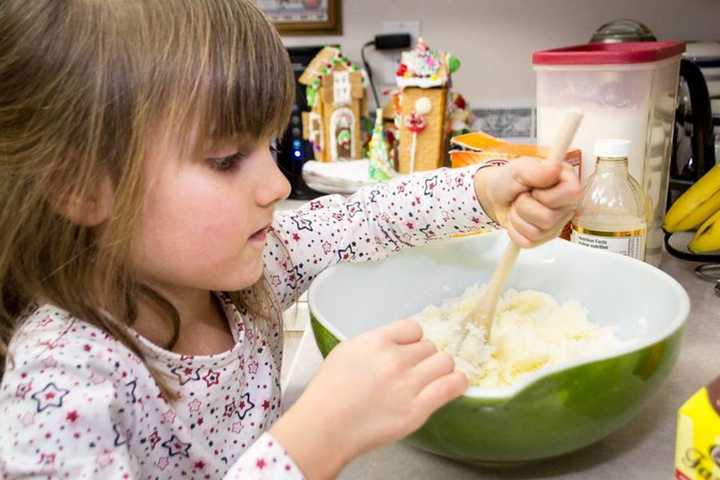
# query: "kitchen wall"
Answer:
x=495 y=38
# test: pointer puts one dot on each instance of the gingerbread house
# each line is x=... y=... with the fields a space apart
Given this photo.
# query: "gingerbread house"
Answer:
x=336 y=96
x=421 y=103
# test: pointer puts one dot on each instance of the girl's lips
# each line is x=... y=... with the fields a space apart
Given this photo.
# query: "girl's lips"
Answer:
x=260 y=235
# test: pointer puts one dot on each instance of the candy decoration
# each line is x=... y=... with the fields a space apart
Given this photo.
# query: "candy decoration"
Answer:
x=423 y=105
x=453 y=63
x=415 y=122
x=401 y=70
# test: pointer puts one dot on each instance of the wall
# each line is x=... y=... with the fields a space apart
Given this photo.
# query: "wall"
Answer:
x=495 y=38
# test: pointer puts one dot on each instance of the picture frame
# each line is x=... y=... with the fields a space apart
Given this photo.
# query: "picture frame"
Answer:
x=304 y=17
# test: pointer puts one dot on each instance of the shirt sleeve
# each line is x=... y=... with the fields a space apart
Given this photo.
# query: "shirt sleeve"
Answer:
x=266 y=459
x=370 y=225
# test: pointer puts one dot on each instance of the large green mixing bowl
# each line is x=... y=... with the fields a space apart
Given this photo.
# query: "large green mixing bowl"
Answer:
x=554 y=411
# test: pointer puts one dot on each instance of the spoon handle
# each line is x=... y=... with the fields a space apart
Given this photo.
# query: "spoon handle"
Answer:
x=484 y=313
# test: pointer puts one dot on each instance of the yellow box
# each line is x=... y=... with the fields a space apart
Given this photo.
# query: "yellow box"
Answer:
x=697 y=450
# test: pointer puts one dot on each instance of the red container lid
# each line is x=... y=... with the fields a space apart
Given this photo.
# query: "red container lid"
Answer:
x=609 y=53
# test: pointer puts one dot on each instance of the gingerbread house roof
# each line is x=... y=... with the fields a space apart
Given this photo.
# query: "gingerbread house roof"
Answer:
x=423 y=67
x=325 y=63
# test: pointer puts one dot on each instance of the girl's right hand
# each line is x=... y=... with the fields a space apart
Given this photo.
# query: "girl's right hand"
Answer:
x=370 y=391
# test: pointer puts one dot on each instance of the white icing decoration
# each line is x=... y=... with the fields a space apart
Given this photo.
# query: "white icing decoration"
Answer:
x=420 y=82
x=341 y=88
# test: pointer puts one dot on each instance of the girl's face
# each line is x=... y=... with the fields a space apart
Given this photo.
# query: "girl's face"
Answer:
x=205 y=220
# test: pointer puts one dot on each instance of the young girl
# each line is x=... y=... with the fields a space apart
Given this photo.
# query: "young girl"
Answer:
x=143 y=272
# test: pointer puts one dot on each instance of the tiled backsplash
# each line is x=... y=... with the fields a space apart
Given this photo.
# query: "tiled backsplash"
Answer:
x=514 y=122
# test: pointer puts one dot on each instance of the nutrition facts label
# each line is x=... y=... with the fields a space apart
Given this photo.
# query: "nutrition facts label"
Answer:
x=631 y=244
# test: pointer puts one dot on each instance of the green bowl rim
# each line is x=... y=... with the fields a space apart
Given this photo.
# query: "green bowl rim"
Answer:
x=504 y=393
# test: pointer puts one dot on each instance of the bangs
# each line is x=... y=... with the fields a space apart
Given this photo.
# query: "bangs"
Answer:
x=249 y=78
x=231 y=75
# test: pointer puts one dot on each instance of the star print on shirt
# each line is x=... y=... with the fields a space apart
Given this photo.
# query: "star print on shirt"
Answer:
x=373 y=195
x=430 y=184
x=169 y=416
x=23 y=389
x=130 y=392
x=229 y=409
x=186 y=374
x=244 y=406
x=176 y=447
x=120 y=439
x=327 y=247
x=353 y=209
x=105 y=459
x=49 y=362
x=316 y=205
x=194 y=406
x=302 y=223
x=294 y=276
x=211 y=378
x=154 y=439
x=50 y=396
x=347 y=253
x=162 y=463
x=426 y=230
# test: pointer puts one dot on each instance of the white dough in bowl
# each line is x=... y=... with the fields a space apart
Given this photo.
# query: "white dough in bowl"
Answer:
x=531 y=331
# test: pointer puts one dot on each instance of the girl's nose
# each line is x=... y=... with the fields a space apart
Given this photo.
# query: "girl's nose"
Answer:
x=274 y=187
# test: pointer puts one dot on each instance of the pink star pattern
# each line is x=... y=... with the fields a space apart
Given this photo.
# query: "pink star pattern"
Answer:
x=162 y=463
x=105 y=459
x=23 y=389
x=168 y=416
x=194 y=406
x=49 y=362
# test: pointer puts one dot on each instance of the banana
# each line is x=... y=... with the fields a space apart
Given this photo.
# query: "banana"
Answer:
x=696 y=205
x=707 y=238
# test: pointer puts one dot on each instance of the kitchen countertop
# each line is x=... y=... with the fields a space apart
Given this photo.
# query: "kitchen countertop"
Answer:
x=643 y=449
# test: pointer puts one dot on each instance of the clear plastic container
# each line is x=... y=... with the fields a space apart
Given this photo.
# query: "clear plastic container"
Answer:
x=625 y=90
x=613 y=214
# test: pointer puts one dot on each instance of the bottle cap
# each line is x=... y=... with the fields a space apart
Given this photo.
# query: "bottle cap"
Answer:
x=612 y=148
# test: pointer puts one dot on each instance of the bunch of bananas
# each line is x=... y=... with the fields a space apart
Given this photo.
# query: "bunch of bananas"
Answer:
x=698 y=209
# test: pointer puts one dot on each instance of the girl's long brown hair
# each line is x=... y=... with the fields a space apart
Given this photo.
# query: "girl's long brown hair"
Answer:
x=86 y=86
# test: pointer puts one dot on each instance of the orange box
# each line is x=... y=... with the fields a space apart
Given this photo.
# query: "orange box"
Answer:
x=479 y=147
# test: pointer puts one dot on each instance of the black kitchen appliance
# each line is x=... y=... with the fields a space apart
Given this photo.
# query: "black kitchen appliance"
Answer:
x=293 y=150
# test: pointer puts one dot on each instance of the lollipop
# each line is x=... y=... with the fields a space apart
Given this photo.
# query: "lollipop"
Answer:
x=415 y=122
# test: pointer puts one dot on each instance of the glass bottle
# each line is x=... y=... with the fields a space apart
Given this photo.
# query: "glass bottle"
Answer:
x=613 y=212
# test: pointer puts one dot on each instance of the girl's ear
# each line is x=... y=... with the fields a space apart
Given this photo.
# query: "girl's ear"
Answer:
x=89 y=209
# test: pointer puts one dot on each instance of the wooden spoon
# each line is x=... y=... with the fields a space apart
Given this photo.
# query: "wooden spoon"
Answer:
x=483 y=314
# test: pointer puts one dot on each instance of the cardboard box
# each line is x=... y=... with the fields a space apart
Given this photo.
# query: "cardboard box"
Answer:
x=697 y=448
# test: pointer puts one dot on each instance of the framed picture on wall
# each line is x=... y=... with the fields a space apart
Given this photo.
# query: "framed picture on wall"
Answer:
x=304 y=17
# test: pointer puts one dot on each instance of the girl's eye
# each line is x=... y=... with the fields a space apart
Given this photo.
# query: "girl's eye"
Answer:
x=225 y=164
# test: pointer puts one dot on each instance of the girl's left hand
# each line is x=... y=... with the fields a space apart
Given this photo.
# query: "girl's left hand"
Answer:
x=531 y=198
